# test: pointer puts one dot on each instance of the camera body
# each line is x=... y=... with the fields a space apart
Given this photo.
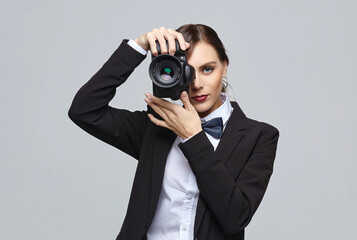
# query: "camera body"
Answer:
x=171 y=75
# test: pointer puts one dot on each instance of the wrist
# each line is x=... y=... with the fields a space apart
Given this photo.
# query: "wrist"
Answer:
x=141 y=44
x=193 y=133
x=136 y=46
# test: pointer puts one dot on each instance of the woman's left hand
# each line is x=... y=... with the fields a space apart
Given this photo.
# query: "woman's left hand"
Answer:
x=184 y=122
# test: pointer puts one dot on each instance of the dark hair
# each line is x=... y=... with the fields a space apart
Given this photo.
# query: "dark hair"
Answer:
x=195 y=33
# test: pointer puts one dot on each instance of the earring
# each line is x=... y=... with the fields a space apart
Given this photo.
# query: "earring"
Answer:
x=224 y=84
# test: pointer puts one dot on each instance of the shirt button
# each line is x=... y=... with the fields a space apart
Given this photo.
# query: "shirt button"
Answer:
x=184 y=228
x=189 y=196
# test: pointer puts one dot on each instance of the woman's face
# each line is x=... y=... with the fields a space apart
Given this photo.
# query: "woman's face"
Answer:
x=206 y=88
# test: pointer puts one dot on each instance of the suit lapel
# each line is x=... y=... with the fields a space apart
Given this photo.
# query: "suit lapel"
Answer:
x=232 y=135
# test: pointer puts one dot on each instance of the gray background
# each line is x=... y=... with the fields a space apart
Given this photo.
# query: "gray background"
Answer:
x=293 y=65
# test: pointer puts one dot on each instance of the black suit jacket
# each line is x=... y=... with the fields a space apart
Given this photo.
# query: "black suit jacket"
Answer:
x=232 y=180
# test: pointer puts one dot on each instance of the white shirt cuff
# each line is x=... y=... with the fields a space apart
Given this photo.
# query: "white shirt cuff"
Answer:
x=137 y=47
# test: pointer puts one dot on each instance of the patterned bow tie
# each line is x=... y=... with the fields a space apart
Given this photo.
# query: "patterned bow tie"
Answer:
x=214 y=127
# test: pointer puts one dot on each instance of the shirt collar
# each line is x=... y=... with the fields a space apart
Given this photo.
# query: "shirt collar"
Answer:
x=224 y=111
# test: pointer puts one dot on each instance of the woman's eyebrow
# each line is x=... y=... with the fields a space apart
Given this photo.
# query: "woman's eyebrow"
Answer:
x=208 y=63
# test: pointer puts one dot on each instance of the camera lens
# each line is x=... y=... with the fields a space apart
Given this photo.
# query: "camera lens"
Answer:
x=166 y=73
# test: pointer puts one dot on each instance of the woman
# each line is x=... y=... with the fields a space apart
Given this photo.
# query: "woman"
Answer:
x=190 y=182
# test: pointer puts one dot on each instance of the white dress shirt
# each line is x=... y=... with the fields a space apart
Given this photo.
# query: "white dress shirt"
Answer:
x=176 y=209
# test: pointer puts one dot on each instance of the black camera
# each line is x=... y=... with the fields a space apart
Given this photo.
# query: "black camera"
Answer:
x=171 y=75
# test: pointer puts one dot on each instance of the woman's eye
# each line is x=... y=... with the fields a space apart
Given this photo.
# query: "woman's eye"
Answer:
x=207 y=69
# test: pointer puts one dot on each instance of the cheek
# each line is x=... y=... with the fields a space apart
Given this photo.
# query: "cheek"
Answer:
x=217 y=83
x=212 y=82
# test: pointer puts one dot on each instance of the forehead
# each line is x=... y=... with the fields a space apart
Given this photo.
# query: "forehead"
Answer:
x=202 y=53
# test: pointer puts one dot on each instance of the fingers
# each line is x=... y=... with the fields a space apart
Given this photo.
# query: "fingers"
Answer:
x=185 y=100
x=156 y=108
x=168 y=111
x=157 y=34
x=151 y=39
x=172 y=44
x=158 y=122
x=183 y=44
x=162 y=35
x=161 y=102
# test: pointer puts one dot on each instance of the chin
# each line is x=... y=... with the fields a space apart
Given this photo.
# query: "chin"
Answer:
x=202 y=108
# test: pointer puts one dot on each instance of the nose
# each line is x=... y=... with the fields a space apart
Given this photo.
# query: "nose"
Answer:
x=197 y=83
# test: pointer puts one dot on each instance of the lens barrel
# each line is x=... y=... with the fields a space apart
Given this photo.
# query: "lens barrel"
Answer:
x=165 y=71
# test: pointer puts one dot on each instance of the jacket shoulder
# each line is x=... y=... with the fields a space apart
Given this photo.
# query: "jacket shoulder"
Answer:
x=262 y=126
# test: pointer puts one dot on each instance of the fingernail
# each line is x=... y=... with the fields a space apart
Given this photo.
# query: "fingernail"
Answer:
x=147 y=95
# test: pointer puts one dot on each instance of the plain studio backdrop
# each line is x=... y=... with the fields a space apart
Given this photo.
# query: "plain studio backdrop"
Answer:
x=292 y=64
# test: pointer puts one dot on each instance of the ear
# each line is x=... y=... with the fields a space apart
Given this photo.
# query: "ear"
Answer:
x=225 y=67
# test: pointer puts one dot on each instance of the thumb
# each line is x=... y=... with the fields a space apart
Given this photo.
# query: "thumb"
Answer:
x=185 y=100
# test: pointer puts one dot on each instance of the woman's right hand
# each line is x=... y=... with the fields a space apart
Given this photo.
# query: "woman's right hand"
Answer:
x=147 y=40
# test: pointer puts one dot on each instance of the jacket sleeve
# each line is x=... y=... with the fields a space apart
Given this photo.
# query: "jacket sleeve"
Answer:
x=120 y=128
x=232 y=202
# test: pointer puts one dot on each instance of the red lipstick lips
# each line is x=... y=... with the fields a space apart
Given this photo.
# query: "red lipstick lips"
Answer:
x=200 y=98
